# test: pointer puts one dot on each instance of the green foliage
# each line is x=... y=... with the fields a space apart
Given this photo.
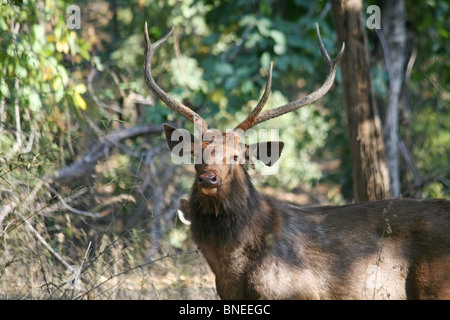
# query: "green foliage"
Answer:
x=218 y=60
x=427 y=121
x=36 y=86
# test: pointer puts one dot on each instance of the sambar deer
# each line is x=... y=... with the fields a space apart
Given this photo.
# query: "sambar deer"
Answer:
x=260 y=248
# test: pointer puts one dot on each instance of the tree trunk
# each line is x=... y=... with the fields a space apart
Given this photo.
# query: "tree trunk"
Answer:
x=393 y=40
x=370 y=173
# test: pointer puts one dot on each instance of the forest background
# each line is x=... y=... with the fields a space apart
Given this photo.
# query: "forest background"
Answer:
x=88 y=193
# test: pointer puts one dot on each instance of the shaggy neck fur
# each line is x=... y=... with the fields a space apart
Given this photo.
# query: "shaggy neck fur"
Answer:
x=232 y=216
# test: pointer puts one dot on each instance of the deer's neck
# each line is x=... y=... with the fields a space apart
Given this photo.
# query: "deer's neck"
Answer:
x=236 y=215
x=233 y=230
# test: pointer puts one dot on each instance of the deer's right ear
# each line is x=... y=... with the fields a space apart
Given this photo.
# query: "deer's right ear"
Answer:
x=180 y=141
x=168 y=131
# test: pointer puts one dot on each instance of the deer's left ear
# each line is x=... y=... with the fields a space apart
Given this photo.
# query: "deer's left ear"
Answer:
x=268 y=152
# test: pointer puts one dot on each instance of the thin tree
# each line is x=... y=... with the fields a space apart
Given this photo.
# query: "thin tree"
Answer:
x=370 y=172
x=392 y=36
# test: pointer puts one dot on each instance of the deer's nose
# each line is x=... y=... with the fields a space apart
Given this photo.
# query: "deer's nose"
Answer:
x=209 y=179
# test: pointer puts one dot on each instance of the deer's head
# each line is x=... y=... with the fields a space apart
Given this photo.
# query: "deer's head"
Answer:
x=220 y=157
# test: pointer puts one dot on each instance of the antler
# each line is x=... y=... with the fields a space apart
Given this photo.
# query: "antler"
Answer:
x=250 y=120
x=163 y=96
x=294 y=105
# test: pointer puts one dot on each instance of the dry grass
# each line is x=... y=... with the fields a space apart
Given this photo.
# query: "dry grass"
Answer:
x=114 y=270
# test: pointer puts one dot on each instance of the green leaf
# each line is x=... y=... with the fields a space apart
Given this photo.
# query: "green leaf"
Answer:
x=97 y=63
x=265 y=60
x=80 y=88
x=62 y=73
x=59 y=94
x=4 y=90
x=224 y=69
x=34 y=102
x=280 y=42
x=31 y=59
x=79 y=101
x=3 y=25
x=39 y=37
x=11 y=50
x=247 y=87
x=21 y=72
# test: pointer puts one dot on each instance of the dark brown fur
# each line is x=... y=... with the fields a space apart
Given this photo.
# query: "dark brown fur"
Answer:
x=262 y=249
x=259 y=248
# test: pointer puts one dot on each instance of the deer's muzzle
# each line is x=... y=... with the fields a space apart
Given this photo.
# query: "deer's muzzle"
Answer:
x=209 y=181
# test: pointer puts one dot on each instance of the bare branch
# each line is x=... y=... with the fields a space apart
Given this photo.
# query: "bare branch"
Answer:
x=100 y=150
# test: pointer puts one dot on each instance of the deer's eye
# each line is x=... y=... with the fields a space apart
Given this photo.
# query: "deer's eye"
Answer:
x=235 y=158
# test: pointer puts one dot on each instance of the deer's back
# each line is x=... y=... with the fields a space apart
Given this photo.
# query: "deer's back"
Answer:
x=394 y=249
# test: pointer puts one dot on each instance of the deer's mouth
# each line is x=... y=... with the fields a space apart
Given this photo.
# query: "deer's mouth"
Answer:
x=209 y=191
x=209 y=181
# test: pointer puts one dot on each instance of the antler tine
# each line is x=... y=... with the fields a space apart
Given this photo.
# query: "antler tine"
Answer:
x=294 y=105
x=249 y=121
x=162 y=95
